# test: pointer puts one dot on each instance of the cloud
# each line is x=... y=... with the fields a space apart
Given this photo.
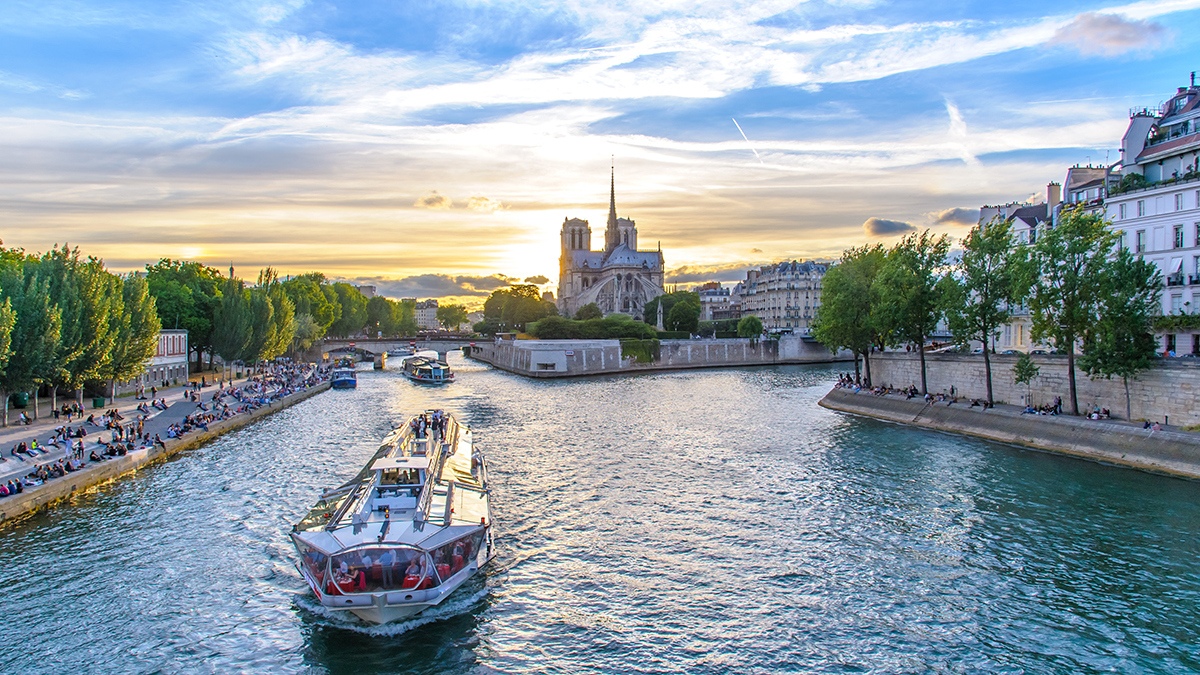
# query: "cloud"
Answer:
x=484 y=204
x=1096 y=34
x=537 y=279
x=880 y=227
x=434 y=201
x=720 y=272
x=955 y=216
x=437 y=285
x=756 y=250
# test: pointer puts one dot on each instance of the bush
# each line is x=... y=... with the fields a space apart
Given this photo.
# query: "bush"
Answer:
x=673 y=335
x=723 y=334
x=642 y=351
x=614 y=327
x=750 y=326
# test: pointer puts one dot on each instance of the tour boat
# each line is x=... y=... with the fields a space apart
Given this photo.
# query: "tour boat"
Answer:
x=425 y=367
x=408 y=530
x=344 y=377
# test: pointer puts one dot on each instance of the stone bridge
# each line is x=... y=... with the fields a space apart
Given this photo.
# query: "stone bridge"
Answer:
x=373 y=347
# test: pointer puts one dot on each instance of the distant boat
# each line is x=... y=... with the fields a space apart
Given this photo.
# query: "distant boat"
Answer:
x=425 y=367
x=344 y=376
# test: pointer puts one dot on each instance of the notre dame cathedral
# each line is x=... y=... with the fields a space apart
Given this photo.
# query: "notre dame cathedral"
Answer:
x=619 y=279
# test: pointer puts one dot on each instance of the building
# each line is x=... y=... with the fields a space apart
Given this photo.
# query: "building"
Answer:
x=784 y=296
x=366 y=291
x=619 y=279
x=168 y=366
x=714 y=300
x=1156 y=204
x=426 y=314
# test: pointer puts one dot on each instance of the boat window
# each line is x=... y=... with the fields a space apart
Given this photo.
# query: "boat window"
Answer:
x=313 y=561
x=379 y=568
x=452 y=557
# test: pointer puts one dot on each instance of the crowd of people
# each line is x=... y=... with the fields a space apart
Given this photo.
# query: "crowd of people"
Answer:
x=263 y=389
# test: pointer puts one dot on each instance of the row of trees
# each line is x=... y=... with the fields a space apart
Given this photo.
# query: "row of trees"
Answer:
x=513 y=308
x=1081 y=291
x=66 y=321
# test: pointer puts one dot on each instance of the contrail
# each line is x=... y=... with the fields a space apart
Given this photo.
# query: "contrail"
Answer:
x=739 y=127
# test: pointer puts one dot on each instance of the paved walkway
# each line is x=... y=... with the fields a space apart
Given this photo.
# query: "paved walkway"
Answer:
x=43 y=429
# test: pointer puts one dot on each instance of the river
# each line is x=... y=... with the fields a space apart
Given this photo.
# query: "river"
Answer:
x=703 y=522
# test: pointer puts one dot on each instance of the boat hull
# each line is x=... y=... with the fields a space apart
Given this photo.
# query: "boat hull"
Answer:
x=344 y=384
x=424 y=380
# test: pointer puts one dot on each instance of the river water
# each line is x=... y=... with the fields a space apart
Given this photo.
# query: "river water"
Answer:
x=700 y=522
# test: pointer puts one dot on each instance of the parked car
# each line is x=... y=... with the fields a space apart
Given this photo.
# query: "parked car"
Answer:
x=1010 y=351
x=1037 y=351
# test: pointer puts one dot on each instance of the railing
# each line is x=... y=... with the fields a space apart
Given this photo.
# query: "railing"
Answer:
x=1175 y=280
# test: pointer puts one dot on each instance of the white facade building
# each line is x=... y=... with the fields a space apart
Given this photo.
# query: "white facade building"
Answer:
x=784 y=296
x=426 y=314
x=168 y=366
x=1158 y=212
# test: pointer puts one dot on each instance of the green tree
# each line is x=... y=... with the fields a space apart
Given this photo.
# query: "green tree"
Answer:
x=307 y=332
x=232 y=328
x=1120 y=343
x=135 y=328
x=451 y=316
x=186 y=295
x=8 y=317
x=283 y=316
x=514 y=307
x=1023 y=373
x=750 y=326
x=845 y=317
x=668 y=301
x=684 y=316
x=379 y=315
x=37 y=326
x=353 y=315
x=1062 y=276
x=262 y=326
x=906 y=292
x=404 y=315
x=978 y=292
x=88 y=298
x=589 y=311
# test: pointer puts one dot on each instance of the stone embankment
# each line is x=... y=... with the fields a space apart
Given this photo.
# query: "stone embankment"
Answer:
x=1169 y=452
x=1165 y=393
x=572 y=358
x=43 y=496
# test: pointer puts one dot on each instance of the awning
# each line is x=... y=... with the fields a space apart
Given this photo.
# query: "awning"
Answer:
x=1176 y=265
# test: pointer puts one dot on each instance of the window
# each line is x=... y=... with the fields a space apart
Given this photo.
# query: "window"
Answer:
x=1178 y=236
x=1141 y=207
x=1176 y=304
x=1179 y=202
x=1121 y=210
x=1140 y=241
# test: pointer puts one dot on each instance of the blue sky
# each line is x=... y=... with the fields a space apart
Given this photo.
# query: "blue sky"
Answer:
x=436 y=147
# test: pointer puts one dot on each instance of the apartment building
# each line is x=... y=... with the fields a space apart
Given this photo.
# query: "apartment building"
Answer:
x=784 y=296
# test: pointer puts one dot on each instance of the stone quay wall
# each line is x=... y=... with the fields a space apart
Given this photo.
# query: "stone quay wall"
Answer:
x=1168 y=391
x=1168 y=452
x=572 y=358
x=48 y=494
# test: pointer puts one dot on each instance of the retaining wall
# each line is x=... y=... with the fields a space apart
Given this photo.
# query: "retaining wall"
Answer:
x=1169 y=390
x=571 y=358
x=1169 y=452
x=46 y=495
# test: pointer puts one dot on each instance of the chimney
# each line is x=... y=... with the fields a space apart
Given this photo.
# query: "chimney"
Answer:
x=1053 y=195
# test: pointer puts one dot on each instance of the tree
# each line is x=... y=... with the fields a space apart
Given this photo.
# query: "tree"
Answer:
x=845 y=317
x=307 y=332
x=906 y=292
x=1062 y=276
x=668 y=301
x=353 y=316
x=516 y=306
x=8 y=317
x=231 y=331
x=684 y=316
x=134 y=328
x=262 y=326
x=88 y=298
x=283 y=316
x=311 y=295
x=589 y=311
x=186 y=295
x=1023 y=373
x=36 y=326
x=404 y=315
x=1120 y=343
x=976 y=296
x=750 y=326
x=451 y=316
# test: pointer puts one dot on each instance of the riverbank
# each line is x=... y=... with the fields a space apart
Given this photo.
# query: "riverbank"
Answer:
x=1175 y=453
x=573 y=358
x=50 y=493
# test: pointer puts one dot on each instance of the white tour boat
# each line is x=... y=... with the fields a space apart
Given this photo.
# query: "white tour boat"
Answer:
x=412 y=527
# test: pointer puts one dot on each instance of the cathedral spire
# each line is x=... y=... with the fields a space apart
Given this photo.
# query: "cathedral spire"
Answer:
x=612 y=199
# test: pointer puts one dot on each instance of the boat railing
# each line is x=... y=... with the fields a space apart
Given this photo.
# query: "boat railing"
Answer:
x=434 y=472
x=346 y=506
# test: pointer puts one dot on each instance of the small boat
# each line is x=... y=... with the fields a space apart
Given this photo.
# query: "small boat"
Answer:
x=408 y=530
x=425 y=367
x=344 y=375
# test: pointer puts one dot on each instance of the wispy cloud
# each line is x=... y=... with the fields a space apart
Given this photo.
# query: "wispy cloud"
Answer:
x=433 y=201
x=1093 y=33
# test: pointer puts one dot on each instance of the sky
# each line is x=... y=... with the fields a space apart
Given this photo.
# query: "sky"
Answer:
x=434 y=149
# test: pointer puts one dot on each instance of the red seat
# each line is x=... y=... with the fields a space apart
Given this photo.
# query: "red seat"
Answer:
x=457 y=565
x=443 y=571
x=411 y=581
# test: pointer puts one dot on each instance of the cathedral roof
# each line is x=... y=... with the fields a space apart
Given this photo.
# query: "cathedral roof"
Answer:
x=623 y=256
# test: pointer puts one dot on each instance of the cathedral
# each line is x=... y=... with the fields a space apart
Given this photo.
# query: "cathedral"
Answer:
x=619 y=279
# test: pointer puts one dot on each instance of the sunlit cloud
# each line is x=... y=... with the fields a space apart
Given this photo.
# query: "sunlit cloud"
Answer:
x=433 y=201
x=1093 y=33
x=882 y=227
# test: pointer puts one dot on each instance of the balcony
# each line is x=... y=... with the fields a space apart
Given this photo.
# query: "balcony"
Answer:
x=1176 y=280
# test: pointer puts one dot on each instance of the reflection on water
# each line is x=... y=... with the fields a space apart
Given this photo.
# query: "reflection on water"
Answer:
x=712 y=521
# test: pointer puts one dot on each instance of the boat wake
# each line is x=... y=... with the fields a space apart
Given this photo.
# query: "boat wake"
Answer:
x=346 y=621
